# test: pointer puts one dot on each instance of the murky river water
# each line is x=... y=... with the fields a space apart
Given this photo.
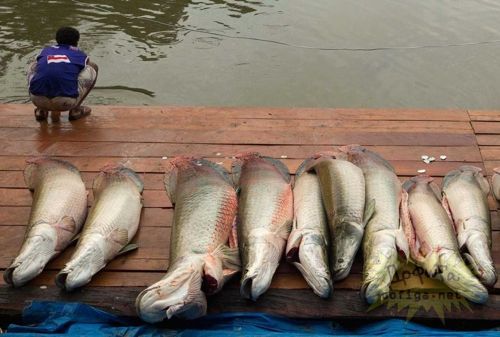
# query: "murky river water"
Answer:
x=324 y=53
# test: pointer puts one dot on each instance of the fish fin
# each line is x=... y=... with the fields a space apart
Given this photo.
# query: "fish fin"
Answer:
x=233 y=235
x=76 y=238
x=30 y=172
x=220 y=266
x=66 y=223
x=128 y=248
x=408 y=185
x=284 y=231
x=405 y=226
x=170 y=181
x=450 y=177
x=436 y=190
x=236 y=166
x=306 y=165
x=217 y=168
x=120 y=236
x=282 y=168
x=446 y=206
x=369 y=211
x=431 y=264
x=483 y=182
x=293 y=244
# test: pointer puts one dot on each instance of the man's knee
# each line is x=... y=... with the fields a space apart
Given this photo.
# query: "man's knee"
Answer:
x=93 y=65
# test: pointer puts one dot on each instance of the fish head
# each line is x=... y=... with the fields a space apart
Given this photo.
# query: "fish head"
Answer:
x=346 y=241
x=456 y=275
x=85 y=263
x=261 y=258
x=308 y=253
x=177 y=294
x=379 y=268
x=35 y=253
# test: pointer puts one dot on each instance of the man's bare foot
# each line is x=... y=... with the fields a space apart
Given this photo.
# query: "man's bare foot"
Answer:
x=79 y=112
x=41 y=115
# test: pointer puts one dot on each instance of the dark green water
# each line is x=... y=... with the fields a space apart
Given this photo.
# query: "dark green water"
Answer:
x=212 y=52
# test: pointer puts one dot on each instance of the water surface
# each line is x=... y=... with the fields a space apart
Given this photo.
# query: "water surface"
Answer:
x=321 y=53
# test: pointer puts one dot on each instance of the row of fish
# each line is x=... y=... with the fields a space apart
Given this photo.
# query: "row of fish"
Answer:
x=59 y=213
x=224 y=224
x=340 y=201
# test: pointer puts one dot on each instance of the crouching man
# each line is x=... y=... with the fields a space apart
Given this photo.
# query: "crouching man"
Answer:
x=61 y=78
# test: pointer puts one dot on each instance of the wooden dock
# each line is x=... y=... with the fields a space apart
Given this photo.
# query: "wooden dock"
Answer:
x=143 y=137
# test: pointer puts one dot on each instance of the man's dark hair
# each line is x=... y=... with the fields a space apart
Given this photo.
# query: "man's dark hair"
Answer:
x=67 y=35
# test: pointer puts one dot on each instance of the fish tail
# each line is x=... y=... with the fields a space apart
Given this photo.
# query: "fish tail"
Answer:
x=347 y=239
x=264 y=252
x=307 y=250
x=455 y=274
x=35 y=253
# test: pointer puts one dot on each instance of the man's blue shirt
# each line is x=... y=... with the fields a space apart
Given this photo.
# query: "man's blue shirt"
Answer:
x=57 y=71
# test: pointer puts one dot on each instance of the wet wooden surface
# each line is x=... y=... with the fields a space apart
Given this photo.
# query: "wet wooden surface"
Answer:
x=145 y=137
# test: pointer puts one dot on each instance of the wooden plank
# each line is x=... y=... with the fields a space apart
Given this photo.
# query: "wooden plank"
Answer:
x=488 y=140
x=259 y=113
x=187 y=122
x=489 y=127
x=113 y=149
x=485 y=115
x=490 y=153
x=22 y=197
x=305 y=136
x=300 y=303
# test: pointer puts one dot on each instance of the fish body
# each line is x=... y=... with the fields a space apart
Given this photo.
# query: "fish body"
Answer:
x=57 y=215
x=465 y=196
x=495 y=182
x=432 y=241
x=383 y=234
x=343 y=189
x=264 y=219
x=205 y=208
x=111 y=224
x=308 y=243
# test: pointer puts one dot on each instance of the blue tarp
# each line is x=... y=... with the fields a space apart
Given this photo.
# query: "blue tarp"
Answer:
x=44 y=318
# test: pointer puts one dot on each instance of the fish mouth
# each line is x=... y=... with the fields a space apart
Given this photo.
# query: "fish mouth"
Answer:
x=178 y=294
x=69 y=279
x=84 y=264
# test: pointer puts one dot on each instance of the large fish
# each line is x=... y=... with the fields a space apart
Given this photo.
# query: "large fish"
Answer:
x=495 y=181
x=265 y=219
x=432 y=241
x=343 y=189
x=465 y=196
x=200 y=260
x=111 y=224
x=57 y=215
x=384 y=235
x=308 y=243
